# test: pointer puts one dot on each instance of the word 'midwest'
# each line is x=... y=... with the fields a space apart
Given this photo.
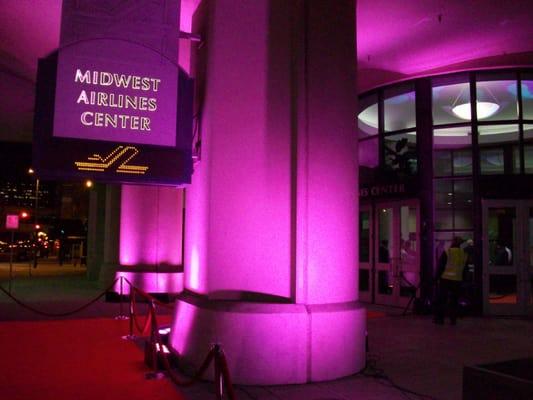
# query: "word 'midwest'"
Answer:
x=111 y=102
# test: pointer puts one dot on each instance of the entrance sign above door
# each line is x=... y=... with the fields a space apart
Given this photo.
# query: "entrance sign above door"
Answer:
x=112 y=103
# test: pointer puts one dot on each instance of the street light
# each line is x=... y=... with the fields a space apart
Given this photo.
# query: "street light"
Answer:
x=31 y=171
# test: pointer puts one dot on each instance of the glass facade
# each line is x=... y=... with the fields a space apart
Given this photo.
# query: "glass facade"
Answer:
x=477 y=142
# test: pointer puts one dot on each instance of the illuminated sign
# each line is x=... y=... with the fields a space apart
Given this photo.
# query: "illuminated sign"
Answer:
x=112 y=104
x=121 y=155
x=116 y=102
x=12 y=221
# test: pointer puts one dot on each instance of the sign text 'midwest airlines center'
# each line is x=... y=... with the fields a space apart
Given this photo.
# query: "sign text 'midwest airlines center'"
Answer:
x=115 y=105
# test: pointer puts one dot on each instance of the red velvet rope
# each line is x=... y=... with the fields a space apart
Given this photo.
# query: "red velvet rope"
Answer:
x=63 y=314
x=156 y=339
x=144 y=328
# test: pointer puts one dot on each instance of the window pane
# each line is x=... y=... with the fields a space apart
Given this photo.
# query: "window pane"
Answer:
x=528 y=149
x=462 y=162
x=364 y=236
x=443 y=219
x=463 y=218
x=399 y=108
x=364 y=280
x=527 y=96
x=498 y=134
x=442 y=163
x=516 y=159
x=491 y=161
x=496 y=99
x=385 y=282
x=501 y=225
x=367 y=121
x=462 y=193
x=368 y=153
x=450 y=138
x=400 y=153
x=462 y=202
x=385 y=235
x=443 y=204
x=448 y=96
x=443 y=193
x=457 y=161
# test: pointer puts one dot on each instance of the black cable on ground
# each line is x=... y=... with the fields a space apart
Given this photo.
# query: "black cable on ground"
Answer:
x=372 y=371
x=63 y=314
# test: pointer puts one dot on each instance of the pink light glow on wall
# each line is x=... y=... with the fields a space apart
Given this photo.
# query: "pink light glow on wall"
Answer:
x=238 y=206
x=401 y=39
x=194 y=270
x=182 y=326
x=150 y=282
x=196 y=230
x=150 y=225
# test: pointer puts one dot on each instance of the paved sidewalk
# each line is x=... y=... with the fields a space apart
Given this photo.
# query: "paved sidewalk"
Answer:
x=414 y=353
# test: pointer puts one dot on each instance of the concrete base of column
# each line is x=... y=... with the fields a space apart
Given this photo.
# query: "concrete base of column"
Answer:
x=271 y=343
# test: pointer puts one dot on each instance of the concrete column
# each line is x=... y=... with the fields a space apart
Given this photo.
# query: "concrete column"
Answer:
x=271 y=228
x=95 y=231
x=102 y=241
x=151 y=220
x=111 y=234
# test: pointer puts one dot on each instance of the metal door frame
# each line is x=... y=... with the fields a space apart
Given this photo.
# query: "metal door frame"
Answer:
x=368 y=296
x=395 y=265
x=520 y=266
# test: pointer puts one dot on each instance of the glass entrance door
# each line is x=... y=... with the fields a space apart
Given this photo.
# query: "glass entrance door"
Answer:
x=396 y=274
x=366 y=255
x=508 y=257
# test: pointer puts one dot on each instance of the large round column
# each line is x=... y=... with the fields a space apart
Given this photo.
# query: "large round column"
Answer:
x=271 y=223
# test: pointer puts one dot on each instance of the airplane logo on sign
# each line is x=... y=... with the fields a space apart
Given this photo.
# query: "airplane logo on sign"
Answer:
x=121 y=155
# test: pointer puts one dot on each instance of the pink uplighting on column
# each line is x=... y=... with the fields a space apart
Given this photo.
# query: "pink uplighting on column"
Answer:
x=184 y=319
x=194 y=279
x=150 y=225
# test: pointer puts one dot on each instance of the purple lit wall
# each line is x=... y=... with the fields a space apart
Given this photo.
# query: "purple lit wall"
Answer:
x=150 y=225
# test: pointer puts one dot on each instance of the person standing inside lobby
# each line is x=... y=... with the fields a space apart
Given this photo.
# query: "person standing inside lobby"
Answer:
x=449 y=277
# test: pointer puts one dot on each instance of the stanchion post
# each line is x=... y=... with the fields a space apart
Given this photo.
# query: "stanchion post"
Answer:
x=226 y=378
x=121 y=294
x=121 y=310
x=131 y=313
x=130 y=335
x=11 y=260
x=154 y=344
x=219 y=386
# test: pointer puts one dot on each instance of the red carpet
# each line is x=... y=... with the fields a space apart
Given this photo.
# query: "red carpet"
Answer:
x=75 y=359
x=374 y=314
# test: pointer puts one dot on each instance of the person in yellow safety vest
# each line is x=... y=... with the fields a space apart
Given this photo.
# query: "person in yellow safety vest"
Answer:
x=449 y=277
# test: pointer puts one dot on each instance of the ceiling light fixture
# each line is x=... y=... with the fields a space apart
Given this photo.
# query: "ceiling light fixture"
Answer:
x=484 y=109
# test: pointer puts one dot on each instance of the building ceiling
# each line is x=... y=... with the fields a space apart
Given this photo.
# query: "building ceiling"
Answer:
x=395 y=39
